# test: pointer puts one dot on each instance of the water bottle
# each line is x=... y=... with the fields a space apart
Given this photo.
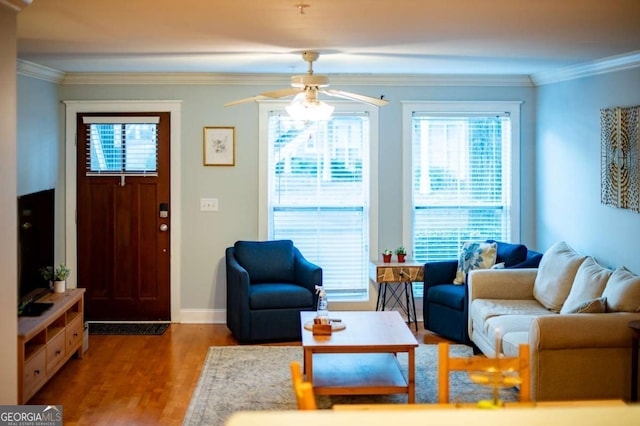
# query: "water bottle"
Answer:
x=323 y=304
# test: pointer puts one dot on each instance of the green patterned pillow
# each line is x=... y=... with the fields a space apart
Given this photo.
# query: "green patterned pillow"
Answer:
x=475 y=255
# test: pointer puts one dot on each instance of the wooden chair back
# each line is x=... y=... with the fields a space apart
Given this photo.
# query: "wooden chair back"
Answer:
x=304 y=390
x=518 y=369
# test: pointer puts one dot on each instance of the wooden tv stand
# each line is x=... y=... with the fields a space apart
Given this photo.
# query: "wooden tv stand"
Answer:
x=48 y=341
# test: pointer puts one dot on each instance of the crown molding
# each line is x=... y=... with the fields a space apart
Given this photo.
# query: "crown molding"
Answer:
x=16 y=5
x=98 y=78
x=285 y=79
x=605 y=65
x=40 y=72
x=416 y=80
x=601 y=66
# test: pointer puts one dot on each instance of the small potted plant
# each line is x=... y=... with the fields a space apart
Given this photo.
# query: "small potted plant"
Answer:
x=386 y=256
x=401 y=252
x=57 y=277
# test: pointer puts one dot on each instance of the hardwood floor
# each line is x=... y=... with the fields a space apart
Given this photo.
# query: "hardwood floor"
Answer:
x=140 y=380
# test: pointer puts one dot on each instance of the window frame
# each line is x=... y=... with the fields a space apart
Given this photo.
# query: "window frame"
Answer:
x=124 y=121
x=265 y=107
x=458 y=107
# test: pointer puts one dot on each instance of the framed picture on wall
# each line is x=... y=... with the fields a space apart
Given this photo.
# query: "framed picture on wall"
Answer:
x=219 y=146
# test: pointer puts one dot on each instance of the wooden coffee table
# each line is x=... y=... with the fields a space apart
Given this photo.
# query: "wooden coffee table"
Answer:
x=361 y=359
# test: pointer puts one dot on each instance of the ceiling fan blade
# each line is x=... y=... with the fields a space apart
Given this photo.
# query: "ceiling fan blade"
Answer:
x=282 y=93
x=245 y=100
x=355 y=97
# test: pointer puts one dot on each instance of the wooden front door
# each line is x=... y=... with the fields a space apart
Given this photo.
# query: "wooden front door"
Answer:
x=123 y=215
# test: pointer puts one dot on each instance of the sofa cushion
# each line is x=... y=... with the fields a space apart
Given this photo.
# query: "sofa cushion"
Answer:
x=588 y=285
x=475 y=255
x=483 y=309
x=593 y=306
x=267 y=261
x=497 y=327
x=623 y=291
x=511 y=342
x=555 y=275
x=452 y=296
x=510 y=254
x=279 y=296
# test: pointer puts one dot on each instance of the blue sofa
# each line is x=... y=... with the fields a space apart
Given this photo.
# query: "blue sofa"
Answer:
x=446 y=305
x=268 y=284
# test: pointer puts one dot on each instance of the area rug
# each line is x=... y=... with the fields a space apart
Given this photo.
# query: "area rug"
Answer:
x=241 y=378
x=155 y=329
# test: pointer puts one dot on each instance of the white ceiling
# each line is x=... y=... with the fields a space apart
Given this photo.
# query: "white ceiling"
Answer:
x=521 y=37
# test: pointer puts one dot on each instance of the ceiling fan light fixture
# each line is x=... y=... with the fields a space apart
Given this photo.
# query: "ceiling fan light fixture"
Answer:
x=305 y=109
x=306 y=105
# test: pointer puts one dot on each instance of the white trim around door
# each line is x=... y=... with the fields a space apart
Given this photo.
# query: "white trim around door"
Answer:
x=72 y=110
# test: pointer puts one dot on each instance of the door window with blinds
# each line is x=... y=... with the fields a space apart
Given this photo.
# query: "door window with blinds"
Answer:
x=122 y=145
x=462 y=178
x=318 y=195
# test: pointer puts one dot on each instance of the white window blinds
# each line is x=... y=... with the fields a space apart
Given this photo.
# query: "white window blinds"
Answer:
x=318 y=195
x=121 y=145
x=461 y=181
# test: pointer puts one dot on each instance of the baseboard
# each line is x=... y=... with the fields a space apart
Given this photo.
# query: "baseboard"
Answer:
x=203 y=316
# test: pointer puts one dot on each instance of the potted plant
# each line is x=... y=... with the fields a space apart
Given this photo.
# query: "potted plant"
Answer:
x=386 y=256
x=57 y=277
x=401 y=252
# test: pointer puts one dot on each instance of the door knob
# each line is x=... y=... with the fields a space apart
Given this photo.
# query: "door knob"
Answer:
x=164 y=227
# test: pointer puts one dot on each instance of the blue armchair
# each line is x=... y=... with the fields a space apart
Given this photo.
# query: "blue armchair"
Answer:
x=268 y=284
x=445 y=305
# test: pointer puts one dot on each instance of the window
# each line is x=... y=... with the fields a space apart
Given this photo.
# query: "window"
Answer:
x=463 y=175
x=122 y=145
x=317 y=193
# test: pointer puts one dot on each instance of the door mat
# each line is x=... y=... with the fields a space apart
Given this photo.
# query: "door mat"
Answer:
x=156 y=329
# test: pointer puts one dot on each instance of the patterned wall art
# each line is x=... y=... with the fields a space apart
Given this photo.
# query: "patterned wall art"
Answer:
x=620 y=157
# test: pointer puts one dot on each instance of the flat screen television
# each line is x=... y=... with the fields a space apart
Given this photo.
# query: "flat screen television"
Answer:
x=36 y=227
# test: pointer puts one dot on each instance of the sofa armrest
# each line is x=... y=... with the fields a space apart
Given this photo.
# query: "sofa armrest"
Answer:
x=442 y=272
x=578 y=331
x=237 y=297
x=515 y=284
x=307 y=274
x=531 y=261
x=237 y=282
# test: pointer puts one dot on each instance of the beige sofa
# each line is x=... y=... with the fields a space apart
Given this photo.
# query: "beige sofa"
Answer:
x=572 y=312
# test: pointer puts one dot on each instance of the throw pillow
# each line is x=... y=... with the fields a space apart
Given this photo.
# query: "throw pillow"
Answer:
x=593 y=306
x=475 y=255
x=588 y=284
x=623 y=291
x=555 y=275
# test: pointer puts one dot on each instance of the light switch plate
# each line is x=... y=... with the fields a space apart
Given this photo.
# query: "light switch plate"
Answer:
x=208 y=204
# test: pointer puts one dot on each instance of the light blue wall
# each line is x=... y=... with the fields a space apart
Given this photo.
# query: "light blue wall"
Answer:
x=568 y=169
x=206 y=235
x=39 y=147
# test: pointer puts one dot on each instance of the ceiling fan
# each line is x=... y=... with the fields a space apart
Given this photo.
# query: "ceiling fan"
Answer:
x=306 y=88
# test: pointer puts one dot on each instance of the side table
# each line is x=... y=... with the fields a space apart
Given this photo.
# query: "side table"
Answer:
x=395 y=281
x=635 y=338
